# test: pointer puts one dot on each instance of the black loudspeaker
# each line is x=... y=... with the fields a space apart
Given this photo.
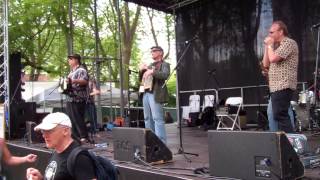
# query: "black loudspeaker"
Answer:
x=132 y=143
x=33 y=136
x=14 y=78
x=15 y=82
x=19 y=114
x=253 y=155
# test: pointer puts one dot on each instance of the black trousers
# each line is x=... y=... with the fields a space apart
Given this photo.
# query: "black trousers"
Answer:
x=76 y=112
x=280 y=104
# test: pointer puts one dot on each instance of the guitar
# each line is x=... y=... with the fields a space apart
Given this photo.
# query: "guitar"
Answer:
x=64 y=86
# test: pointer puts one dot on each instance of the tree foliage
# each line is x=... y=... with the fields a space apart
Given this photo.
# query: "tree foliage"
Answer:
x=40 y=30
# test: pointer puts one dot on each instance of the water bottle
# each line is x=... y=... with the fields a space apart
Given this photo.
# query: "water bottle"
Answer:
x=101 y=145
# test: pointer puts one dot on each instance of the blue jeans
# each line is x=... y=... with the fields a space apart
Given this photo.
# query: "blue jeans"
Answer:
x=273 y=124
x=153 y=116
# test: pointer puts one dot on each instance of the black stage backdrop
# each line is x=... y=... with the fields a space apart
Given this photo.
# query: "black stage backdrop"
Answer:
x=227 y=38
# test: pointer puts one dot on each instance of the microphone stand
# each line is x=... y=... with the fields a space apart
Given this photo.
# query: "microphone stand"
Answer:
x=314 y=104
x=61 y=96
x=316 y=68
x=128 y=118
x=54 y=89
x=179 y=60
x=210 y=73
x=180 y=150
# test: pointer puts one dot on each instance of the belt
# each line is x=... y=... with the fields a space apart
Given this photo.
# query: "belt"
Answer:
x=148 y=90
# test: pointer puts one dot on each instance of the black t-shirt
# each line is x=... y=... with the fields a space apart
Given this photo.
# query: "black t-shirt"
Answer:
x=57 y=167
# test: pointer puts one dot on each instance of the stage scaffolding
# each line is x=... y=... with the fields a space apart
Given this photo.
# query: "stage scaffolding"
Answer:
x=4 y=54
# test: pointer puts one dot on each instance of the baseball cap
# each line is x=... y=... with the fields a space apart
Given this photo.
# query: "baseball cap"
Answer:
x=52 y=120
x=159 y=48
x=76 y=56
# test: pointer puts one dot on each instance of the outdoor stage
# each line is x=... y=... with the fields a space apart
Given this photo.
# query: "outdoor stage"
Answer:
x=195 y=140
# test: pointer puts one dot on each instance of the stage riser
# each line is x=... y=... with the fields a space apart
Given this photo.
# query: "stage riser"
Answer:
x=126 y=172
x=19 y=172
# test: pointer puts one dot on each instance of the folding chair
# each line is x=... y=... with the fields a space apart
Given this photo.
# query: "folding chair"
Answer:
x=230 y=120
x=192 y=111
x=194 y=103
x=185 y=112
x=208 y=101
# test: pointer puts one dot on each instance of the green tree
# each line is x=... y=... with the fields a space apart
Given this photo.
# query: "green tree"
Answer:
x=30 y=35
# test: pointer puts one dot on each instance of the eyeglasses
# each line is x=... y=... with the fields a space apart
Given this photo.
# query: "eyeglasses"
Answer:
x=48 y=131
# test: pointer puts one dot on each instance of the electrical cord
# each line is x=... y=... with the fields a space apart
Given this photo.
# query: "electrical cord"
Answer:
x=202 y=172
x=198 y=172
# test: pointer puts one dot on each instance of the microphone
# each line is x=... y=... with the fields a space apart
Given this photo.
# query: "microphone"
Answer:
x=316 y=25
x=192 y=39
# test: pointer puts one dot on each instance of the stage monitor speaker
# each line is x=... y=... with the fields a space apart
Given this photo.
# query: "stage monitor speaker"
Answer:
x=253 y=155
x=130 y=143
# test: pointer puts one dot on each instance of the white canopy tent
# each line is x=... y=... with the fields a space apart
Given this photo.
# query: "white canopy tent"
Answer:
x=46 y=94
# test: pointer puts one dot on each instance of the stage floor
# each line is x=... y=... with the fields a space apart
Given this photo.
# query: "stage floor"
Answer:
x=194 y=140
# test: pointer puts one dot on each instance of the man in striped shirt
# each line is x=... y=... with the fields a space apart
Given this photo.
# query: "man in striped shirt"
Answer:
x=77 y=98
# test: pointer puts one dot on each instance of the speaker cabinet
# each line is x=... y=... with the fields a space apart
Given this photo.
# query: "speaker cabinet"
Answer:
x=33 y=136
x=253 y=155
x=15 y=67
x=19 y=114
x=15 y=81
x=130 y=143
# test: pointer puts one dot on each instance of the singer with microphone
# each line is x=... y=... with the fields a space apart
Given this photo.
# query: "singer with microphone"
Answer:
x=281 y=58
x=154 y=95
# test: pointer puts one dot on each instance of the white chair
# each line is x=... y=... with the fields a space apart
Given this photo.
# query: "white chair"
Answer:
x=230 y=120
x=194 y=103
x=193 y=107
x=185 y=112
x=208 y=101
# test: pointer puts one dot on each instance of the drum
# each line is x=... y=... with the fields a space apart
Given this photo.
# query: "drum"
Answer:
x=301 y=117
x=306 y=97
x=303 y=96
x=314 y=117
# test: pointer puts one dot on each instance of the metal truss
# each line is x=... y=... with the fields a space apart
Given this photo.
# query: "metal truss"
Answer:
x=4 y=55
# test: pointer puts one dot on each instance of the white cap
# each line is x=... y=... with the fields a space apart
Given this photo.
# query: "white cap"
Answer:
x=52 y=120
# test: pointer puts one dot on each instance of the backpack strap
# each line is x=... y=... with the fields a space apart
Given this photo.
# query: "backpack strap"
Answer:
x=71 y=161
